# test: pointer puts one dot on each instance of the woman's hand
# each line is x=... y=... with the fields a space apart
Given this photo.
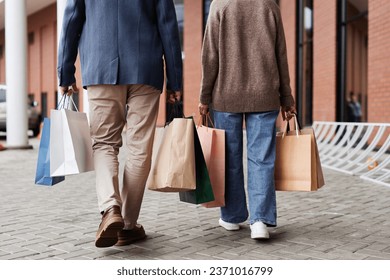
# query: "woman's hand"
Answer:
x=288 y=112
x=203 y=109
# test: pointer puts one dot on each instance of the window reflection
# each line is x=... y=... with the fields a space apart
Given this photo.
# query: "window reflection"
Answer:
x=179 y=6
x=305 y=61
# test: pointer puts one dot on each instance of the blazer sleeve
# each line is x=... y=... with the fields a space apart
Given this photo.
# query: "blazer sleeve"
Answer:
x=72 y=26
x=169 y=33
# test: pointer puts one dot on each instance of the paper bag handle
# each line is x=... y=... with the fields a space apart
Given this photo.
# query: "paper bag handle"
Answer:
x=62 y=104
x=204 y=120
x=297 y=126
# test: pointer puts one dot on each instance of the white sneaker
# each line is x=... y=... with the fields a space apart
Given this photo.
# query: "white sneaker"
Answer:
x=259 y=231
x=228 y=226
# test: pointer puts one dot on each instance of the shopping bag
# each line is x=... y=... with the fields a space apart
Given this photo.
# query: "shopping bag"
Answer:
x=203 y=192
x=212 y=141
x=297 y=164
x=42 y=175
x=173 y=168
x=71 y=144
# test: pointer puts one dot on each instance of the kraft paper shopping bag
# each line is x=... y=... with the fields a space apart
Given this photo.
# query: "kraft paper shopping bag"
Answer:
x=297 y=164
x=71 y=144
x=212 y=141
x=173 y=168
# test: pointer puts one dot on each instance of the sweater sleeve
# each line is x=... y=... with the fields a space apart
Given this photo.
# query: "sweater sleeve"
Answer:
x=210 y=56
x=74 y=18
x=286 y=99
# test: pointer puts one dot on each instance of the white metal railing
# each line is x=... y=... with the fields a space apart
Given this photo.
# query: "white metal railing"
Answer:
x=360 y=149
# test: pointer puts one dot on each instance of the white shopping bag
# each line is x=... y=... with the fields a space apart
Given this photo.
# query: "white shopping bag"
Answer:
x=70 y=143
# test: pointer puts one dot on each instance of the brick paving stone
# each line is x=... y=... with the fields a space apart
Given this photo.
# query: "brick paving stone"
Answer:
x=198 y=256
x=260 y=256
x=177 y=245
x=74 y=254
x=57 y=241
x=3 y=253
x=19 y=255
x=132 y=254
x=305 y=254
x=155 y=254
x=379 y=246
x=286 y=255
x=184 y=253
x=212 y=250
x=325 y=247
x=266 y=248
x=347 y=255
x=97 y=254
x=224 y=242
x=161 y=238
x=42 y=256
x=10 y=242
x=353 y=246
x=295 y=247
x=374 y=253
x=12 y=249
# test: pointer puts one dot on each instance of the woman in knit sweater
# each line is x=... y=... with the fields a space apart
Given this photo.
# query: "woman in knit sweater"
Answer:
x=245 y=78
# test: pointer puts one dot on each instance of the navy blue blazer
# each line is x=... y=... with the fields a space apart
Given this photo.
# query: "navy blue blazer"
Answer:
x=120 y=42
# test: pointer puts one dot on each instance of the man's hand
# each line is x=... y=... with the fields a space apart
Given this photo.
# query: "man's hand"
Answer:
x=203 y=109
x=178 y=95
x=173 y=96
x=69 y=90
x=288 y=112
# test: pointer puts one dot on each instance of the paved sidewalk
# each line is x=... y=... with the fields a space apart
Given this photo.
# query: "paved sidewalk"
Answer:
x=347 y=219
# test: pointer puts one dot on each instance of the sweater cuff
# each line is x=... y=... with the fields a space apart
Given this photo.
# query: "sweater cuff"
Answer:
x=287 y=101
x=63 y=79
x=205 y=99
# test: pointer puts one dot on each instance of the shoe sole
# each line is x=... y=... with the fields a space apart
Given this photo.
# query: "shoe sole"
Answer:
x=109 y=236
x=124 y=242
x=229 y=228
x=260 y=237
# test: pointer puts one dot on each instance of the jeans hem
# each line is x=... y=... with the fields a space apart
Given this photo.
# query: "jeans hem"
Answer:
x=266 y=222
x=233 y=221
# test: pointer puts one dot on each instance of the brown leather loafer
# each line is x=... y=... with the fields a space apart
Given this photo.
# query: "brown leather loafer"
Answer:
x=129 y=236
x=112 y=223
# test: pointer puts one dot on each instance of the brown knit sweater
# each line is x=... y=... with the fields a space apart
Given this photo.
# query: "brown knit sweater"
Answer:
x=244 y=58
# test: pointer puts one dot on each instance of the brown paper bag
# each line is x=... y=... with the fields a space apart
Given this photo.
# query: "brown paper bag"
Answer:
x=297 y=164
x=173 y=168
x=213 y=146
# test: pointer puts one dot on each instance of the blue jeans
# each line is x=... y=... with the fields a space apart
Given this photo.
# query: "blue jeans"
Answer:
x=261 y=141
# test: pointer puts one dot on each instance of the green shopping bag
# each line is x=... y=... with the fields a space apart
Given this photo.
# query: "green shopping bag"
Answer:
x=203 y=192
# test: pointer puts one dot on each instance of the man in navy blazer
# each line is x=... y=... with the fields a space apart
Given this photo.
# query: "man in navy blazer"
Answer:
x=122 y=46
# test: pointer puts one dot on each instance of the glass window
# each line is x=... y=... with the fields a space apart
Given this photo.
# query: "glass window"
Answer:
x=179 y=6
x=304 y=82
x=356 y=60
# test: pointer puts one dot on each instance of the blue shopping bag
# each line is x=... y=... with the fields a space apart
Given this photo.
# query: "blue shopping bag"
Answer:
x=42 y=176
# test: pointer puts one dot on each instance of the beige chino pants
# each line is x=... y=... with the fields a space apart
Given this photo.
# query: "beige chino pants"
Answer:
x=111 y=107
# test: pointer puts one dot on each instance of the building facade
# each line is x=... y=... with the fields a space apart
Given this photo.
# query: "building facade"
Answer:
x=335 y=47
